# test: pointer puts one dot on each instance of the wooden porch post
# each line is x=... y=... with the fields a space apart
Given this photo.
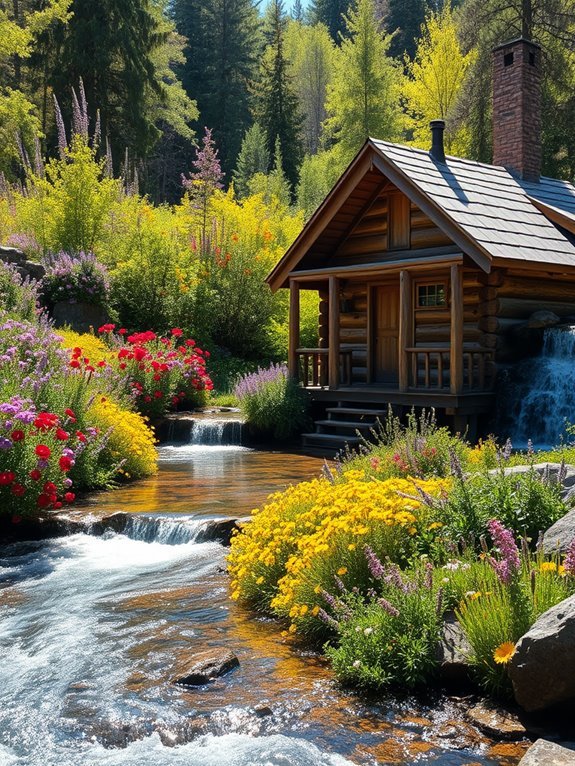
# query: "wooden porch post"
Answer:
x=404 y=328
x=456 y=367
x=333 y=333
x=293 y=329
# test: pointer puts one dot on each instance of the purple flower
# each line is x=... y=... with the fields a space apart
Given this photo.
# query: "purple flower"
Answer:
x=5 y=443
x=569 y=562
x=388 y=607
x=376 y=568
x=509 y=562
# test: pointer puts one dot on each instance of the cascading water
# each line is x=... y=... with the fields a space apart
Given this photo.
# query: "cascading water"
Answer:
x=545 y=396
x=216 y=432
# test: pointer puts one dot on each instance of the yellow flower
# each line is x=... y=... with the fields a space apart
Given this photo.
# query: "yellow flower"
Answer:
x=548 y=566
x=504 y=652
x=342 y=571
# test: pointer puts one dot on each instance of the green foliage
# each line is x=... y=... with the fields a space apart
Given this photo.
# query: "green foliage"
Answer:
x=272 y=403
x=69 y=207
x=17 y=297
x=403 y=20
x=318 y=174
x=526 y=503
x=388 y=641
x=363 y=97
x=253 y=158
x=435 y=78
x=18 y=117
x=331 y=13
x=277 y=108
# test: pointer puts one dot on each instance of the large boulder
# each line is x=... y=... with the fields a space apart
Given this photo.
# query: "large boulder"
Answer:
x=546 y=753
x=453 y=652
x=542 y=669
x=559 y=537
x=206 y=666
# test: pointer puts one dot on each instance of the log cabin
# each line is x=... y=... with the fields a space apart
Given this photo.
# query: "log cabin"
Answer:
x=425 y=265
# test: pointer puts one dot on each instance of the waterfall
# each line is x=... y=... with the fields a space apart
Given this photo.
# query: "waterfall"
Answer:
x=214 y=432
x=545 y=394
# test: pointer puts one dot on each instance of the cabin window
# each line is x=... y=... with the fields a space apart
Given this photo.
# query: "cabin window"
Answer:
x=431 y=295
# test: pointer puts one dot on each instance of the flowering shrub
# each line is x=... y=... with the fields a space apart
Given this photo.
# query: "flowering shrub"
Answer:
x=271 y=402
x=17 y=296
x=161 y=372
x=511 y=588
x=302 y=538
x=74 y=279
x=130 y=441
x=38 y=452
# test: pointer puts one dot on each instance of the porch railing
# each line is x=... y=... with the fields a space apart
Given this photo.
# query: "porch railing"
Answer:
x=312 y=365
x=429 y=368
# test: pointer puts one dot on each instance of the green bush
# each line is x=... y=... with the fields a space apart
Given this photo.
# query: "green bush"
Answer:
x=272 y=402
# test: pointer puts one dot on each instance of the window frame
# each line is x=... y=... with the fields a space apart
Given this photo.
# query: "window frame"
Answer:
x=438 y=284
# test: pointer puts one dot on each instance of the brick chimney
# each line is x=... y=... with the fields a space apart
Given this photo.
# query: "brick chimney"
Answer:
x=517 y=108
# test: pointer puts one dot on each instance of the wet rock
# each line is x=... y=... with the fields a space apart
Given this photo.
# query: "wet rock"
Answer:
x=207 y=666
x=453 y=653
x=218 y=530
x=543 y=318
x=542 y=669
x=558 y=538
x=494 y=721
x=546 y=753
x=263 y=711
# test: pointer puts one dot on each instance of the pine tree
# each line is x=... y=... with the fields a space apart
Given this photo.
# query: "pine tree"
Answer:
x=254 y=157
x=110 y=46
x=330 y=13
x=435 y=79
x=277 y=108
x=221 y=63
x=311 y=54
x=363 y=99
x=403 y=19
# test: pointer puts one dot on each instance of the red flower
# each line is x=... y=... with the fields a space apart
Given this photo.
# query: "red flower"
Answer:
x=101 y=363
x=56 y=504
x=69 y=497
x=18 y=490
x=43 y=501
x=18 y=435
x=75 y=363
x=158 y=394
x=176 y=332
x=6 y=478
x=70 y=414
x=81 y=436
x=122 y=365
x=43 y=451
x=190 y=342
x=65 y=463
x=35 y=475
x=62 y=435
x=50 y=488
x=122 y=331
x=45 y=421
x=107 y=328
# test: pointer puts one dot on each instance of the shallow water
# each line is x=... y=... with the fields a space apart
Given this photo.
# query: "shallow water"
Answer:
x=94 y=629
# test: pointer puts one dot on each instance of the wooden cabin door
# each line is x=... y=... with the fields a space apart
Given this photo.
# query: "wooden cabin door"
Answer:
x=386 y=326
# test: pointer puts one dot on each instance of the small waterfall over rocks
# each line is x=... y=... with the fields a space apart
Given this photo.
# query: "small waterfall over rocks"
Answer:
x=544 y=395
x=216 y=431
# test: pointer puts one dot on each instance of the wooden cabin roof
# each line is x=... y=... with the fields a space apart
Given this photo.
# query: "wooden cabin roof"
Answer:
x=488 y=213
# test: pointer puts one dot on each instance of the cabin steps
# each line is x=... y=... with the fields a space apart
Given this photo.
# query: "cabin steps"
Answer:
x=343 y=427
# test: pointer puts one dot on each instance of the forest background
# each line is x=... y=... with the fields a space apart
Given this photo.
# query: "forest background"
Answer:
x=185 y=142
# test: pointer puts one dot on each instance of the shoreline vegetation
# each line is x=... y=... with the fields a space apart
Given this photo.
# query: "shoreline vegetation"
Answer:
x=368 y=560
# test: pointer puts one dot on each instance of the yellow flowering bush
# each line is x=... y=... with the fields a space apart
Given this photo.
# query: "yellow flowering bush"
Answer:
x=92 y=347
x=306 y=536
x=131 y=440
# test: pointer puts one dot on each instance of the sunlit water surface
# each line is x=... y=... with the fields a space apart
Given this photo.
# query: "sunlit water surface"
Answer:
x=93 y=630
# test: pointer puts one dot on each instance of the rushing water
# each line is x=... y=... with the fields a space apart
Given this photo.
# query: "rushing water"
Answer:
x=94 y=629
x=545 y=397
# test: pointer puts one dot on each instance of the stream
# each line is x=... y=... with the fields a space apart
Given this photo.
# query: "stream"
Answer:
x=94 y=629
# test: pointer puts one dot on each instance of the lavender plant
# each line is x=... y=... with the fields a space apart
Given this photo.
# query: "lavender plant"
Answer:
x=74 y=279
x=272 y=402
x=17 y=295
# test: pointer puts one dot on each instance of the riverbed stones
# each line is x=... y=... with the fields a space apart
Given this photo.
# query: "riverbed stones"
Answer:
x=542 y=669
x=494 y=721
x=546 y=753
x=204 y=667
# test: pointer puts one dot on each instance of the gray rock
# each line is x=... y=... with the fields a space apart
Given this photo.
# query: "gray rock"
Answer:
x=206 y=666
x=453 y=652
x=543 y=318
x=559 y=537
x=11 y=255
x=546 y=753
x=542 y=669
x=35 y=270
x=550 y=469
x=80 y=316
x=218 y=530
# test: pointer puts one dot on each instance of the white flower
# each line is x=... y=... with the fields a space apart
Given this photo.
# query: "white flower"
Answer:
x=357 y=629
x=357 y=664
x=445 y=580
x=367 y=631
